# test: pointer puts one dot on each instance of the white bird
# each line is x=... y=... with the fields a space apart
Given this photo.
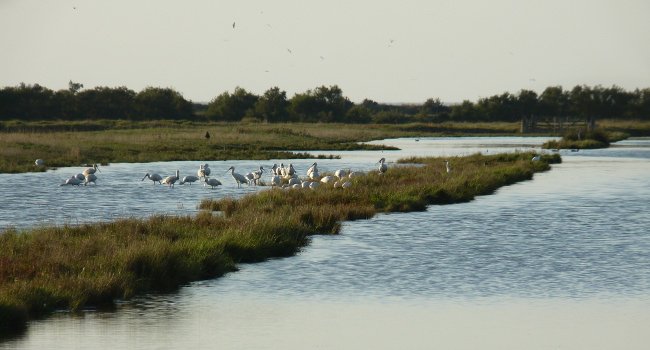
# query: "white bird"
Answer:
x=346 y=184
x=189 y=178
x=283 y=170
x=204 y=171
x=276 y=180
x=305 y=184
x=153 y=177
x=239 y=178
x=72 y=181
x=327 y=179
x=257 y=175
x=39 y=162
x=341 y=173
x=313 y=168
x=170 y=180
x=536 y=158
x=447 y=166
x=337 y=184
x=212 y=182
x=91 y=170
x=249 y=177
x=382 y=166
x=90 y=178
x=355 y=174
x=291 y=171
x=294 y=181
x=314 y=184
x=274 y=169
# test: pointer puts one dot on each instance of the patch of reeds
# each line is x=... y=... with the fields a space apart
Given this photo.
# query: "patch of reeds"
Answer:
x=92 y=265
x=578 y=139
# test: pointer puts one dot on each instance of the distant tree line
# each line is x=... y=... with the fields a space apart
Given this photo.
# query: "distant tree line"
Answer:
x=322 y=104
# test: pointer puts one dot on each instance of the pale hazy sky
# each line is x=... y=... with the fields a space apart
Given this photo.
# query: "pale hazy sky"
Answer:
x=388 y=51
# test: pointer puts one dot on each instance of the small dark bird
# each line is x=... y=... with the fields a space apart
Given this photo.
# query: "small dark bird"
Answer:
x=289 y=51
x=233 y=24
x=207 y=135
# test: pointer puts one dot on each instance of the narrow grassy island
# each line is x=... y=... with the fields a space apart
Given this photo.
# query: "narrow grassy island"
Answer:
x=93 y=265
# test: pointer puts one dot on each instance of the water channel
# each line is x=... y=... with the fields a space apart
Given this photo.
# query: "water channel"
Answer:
x=558 y=262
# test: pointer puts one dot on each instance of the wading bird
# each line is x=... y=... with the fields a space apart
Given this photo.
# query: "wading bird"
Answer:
x=276 y=180
x=39 y=162
x=72 y=181
x=153 y=177
x=91 y=170
x=536 y=158
x=170 y=180
x=447 y=166
x=212 y=182
x=257 y=175
x=382 y=166
x=204 y=171
x=341 y=173
x=239 y=178
x=189 y=178
x=90 y=178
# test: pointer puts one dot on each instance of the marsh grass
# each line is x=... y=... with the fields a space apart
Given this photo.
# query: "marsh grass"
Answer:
x=73 y=143
x=92 y=265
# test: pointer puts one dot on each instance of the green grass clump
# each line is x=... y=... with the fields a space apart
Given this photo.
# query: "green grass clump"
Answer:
x=92 y=265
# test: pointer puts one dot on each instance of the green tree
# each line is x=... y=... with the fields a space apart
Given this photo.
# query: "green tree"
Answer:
x=272 y=106
x=554 y=102
x=231 y=107
x=162 y=103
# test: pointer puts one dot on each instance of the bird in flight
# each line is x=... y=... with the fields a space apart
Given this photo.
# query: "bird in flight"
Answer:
x=289 y=51
x=233 y=25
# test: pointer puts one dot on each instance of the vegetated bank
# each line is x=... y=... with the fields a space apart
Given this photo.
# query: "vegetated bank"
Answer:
x=579 y=139
x=62 y=143
x=93 y=265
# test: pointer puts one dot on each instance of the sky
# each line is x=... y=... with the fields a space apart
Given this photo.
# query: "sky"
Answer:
x=388 y=51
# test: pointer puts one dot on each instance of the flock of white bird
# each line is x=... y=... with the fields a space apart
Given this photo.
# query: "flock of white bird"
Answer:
x=280 y=176
x=86 y=177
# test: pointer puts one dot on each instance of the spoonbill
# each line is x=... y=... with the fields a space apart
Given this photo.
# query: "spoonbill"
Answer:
x=239 y=178
x=537 y=158
x=39 y=162
x=212 y=182
x=382 y=166
x=257 y=175
x=276 y=180
x=153 y=177
x=90 y=178
x=80 y=177
x=341 y=173
x=189 y=178
x=291 y=171
x=204 y=171
x=313 y=168
x=346 y=184
x=72 y=181
x=327 y=179
x=447 y=166
x=91 y=170
x=170 y=180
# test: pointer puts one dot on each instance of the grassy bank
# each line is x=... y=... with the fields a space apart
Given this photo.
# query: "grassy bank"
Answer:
x=74 y=143
x=75 y=267
x=575 y=139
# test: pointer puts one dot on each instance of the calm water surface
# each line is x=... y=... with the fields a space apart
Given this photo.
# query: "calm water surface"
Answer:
x=559 y=262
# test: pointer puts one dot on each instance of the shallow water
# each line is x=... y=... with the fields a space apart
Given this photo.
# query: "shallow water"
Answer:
x=558 y=262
